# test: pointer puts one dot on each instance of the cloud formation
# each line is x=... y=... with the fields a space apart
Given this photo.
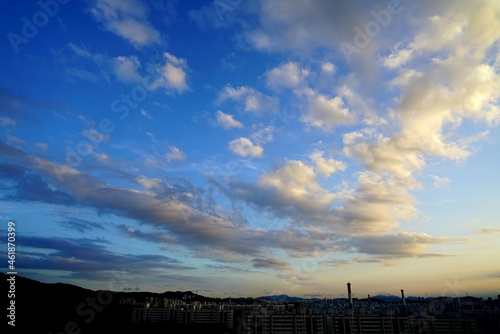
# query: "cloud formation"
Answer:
x=253 y=101
x=245 y=148
x=127 y=19
x=309 y=154
x=227 y=121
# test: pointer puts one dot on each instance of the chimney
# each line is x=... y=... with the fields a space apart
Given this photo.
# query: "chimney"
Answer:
x=351 y=305
x=404 y=301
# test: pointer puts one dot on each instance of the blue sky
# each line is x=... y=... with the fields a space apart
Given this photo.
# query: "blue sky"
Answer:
x=246 y=148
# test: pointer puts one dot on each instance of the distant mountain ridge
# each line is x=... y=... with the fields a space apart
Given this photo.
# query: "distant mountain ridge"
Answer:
x=190 y=295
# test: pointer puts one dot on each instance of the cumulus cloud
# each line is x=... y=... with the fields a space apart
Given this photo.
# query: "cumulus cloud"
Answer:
x=245 y=148
x=227 y=121
x=443 y=76
x=298 y=25
x=326 y=167
x=443 y=33
x=170 y=207
x=175 y=214
x=290 y=190
x=327 y=113
x=127 y=19
x=287 y=75
x=169 y=74
x=253 y=101
x=172 y=75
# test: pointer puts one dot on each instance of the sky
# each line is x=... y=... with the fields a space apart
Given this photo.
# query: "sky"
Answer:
x=249 y=148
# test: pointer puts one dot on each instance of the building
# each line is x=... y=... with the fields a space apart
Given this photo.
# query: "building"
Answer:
x=284 y=324
x=184 y=315
x=402 y=325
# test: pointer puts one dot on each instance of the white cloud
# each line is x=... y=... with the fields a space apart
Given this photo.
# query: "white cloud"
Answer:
x=287 y=75
x=302 y=25
x=171 y=75
x=95 y=136
x=227 y=121
x=7 y=121
x=147 y=115
x=405 y=77
x=97 y=58
x=127 y=19
x=127 y=68
x=290 y=190
x=326 y=167
x=102 y=157
x=375 y=206
x=263 y=134
x=81 y=74
x=401 y=244
x=327 y=113
x=440 y=33
x=245 y=148
x=328 y=67
x=253 y=101
x=176 y=61
x=439 y=181
x=148 y=183
x=487 y=231
x=175 y=155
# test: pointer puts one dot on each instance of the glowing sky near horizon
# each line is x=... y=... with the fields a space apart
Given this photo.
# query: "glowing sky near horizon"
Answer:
x=248 y=148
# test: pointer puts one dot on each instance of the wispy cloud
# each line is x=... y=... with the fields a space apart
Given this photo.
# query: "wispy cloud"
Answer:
x=169 y=74
x=439 y=181
x=127 y=19
x=269 y=263
x=90 y=258
x=80 y=225
x=227 y=121
x=175 y=155
x=253 y=101
x=487 y=231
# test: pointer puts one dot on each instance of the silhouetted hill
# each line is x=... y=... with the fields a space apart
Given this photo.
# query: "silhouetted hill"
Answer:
x=56 y=308
x=281 y=298
x=386 y=299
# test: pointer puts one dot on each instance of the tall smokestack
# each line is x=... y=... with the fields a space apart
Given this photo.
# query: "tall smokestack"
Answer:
x=351 y=305
x=404 y=300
